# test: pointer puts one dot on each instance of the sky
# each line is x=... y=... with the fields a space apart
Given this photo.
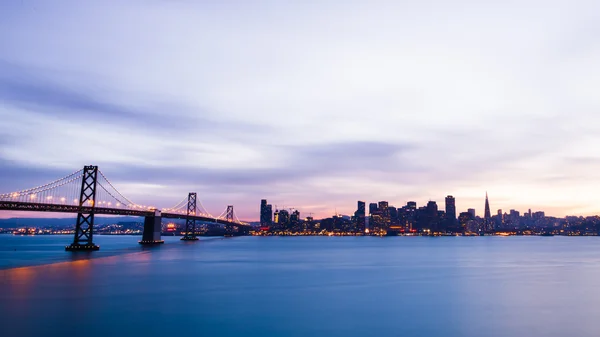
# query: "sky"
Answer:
x=310 y=104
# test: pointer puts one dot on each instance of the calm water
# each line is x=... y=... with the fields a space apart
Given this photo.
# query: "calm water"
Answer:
x=304 y=286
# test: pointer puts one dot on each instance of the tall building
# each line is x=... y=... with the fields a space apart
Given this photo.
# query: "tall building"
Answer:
x=410 y=215
x=431 y=217
x=295 y=218
x=385 y=214
x=266 y=214
x=487 y=217
x=360 y=216
x=372 y=208
x=450 y=211
x=393 y=215
x=283 y=218
x=499 y=219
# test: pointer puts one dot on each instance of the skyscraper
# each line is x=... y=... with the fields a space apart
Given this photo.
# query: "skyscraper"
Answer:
x=385 y=213
x=360 y=217
x=372 y=208
x=487 y=214
x=450 y=211
x=410 y=215
x=487 y=217
x=431 y=217
x=266 y=214
x=295 y=218
x=383 y=206
x=283 y=218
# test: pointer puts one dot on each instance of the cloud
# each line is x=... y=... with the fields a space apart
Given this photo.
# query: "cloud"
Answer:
x=37 y=90
x=314 y=105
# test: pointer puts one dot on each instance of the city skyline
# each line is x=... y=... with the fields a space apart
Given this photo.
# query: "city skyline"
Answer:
x=312 y=106
x=343 y=210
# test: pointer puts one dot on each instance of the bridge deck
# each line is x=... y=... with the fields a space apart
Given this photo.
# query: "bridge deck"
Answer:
x=63 y=208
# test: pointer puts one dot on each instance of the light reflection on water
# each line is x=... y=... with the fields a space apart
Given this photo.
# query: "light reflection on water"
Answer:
x=342 y=286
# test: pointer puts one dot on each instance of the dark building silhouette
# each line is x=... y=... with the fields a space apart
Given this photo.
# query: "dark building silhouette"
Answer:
x=385 y=214
x=393 y=215
x=430 y=220
x=450 y=212
x=281 y=219
x=464 y=220
x=360 y=217
x=266 y=214
x=328 y=224
x=372 y=208
x=472 y=212
x=487 y=217
x=376 y=221
x=295 y=218
x=284 y=217
x=420 y=219
x=410 y=216
x=500 y=219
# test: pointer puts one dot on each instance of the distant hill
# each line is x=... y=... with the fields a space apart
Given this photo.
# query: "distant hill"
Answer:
x=60 y=222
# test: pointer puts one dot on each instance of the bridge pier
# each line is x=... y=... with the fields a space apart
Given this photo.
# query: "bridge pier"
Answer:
x=152 y=229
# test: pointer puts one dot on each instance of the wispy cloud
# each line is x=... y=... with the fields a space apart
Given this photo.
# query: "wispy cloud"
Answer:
x=311 y=105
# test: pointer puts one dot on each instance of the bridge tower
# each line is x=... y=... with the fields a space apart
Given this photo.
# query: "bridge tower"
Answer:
x=84 y=229
x=190 y=223
x=229 y=213
x=229 y=229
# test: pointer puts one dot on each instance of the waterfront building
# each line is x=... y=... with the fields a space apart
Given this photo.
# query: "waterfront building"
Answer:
x=450 y=212
x=295 y=218
x=385 y=214
x=266 y=214
x=360 y=217
x=372 y=208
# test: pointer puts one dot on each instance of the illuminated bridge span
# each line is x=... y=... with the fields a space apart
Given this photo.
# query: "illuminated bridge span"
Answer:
x=88 y=192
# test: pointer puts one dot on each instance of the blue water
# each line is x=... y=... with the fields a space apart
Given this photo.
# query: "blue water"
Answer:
x=304 y=286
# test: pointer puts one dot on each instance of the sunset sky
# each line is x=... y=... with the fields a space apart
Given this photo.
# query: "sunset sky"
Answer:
x=311 y=105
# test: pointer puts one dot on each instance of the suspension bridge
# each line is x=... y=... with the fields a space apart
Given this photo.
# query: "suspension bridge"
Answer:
x=87 y=192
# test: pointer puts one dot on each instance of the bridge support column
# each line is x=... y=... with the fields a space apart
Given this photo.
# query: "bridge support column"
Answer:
x=152 y=229
x=229 y=230
x=190 y=224
x=84 y=229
